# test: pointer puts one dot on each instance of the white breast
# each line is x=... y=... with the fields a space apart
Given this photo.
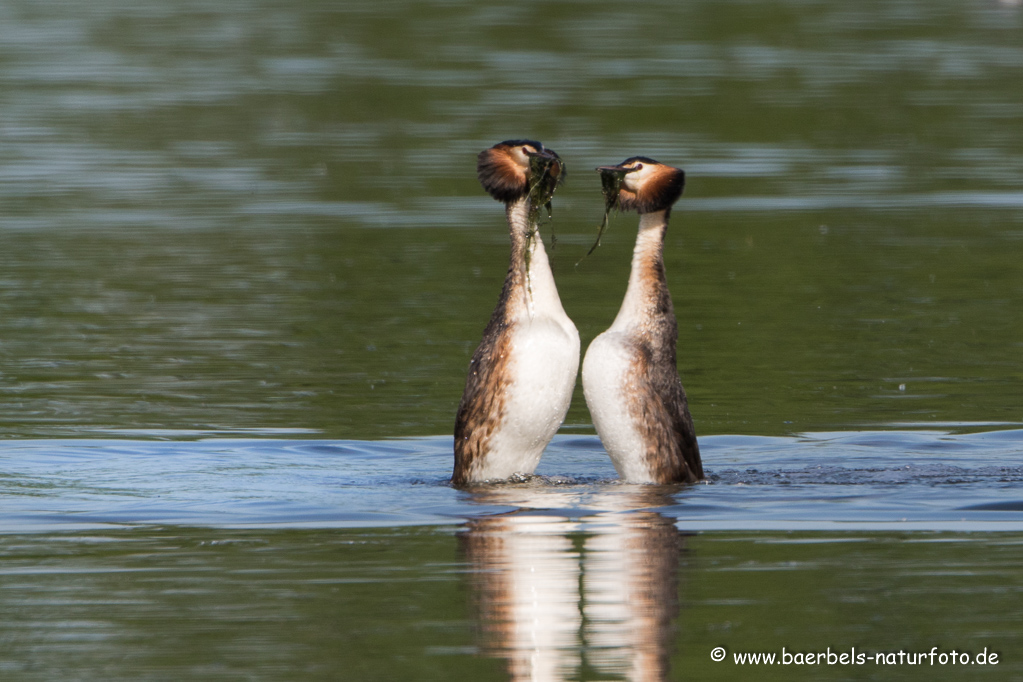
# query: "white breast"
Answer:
x=541 y=371
x=610 y=384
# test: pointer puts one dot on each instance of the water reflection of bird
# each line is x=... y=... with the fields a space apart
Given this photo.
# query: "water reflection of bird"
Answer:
x=554 y=594
x=630 y=378
x=522 y=375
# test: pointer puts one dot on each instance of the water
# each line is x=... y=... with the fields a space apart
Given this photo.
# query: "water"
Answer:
x=274 y=211
x=888 y=480
x=295 y=559
x=244 y=261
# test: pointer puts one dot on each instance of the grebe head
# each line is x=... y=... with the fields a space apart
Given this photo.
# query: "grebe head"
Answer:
x=510 y=170
x=641 y=184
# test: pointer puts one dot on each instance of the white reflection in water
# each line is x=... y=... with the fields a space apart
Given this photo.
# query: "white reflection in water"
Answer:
x=553 y=592
x=527 y=591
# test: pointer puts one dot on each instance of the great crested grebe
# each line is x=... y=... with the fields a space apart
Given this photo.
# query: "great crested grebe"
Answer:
x=522 y=374
x=630 y=379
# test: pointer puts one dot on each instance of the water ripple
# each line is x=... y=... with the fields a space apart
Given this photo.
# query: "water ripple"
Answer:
x=930 y=480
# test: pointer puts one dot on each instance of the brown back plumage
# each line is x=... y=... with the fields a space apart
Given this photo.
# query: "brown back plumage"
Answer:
x=661 y=408
x=482 y=404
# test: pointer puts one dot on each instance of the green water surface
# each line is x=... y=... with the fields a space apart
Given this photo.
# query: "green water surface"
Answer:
x=397 y=604
x=264 y=216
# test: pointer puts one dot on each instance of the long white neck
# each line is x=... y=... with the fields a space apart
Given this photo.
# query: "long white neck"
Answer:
x=532 y=277
x=645 y=296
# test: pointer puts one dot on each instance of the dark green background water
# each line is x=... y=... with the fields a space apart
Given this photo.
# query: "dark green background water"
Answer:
x=262 y=217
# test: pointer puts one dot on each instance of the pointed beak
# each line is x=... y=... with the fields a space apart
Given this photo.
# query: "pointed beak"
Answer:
x=617 y=170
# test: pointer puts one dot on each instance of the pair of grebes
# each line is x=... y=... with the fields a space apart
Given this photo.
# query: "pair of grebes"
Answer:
x=523 y=373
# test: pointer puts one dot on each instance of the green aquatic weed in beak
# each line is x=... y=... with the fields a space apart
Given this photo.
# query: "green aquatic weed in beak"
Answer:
x=546 y=172
x=611 y=181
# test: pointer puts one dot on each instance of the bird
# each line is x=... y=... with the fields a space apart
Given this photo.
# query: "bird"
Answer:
x=630 y=378
x=522 y=375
